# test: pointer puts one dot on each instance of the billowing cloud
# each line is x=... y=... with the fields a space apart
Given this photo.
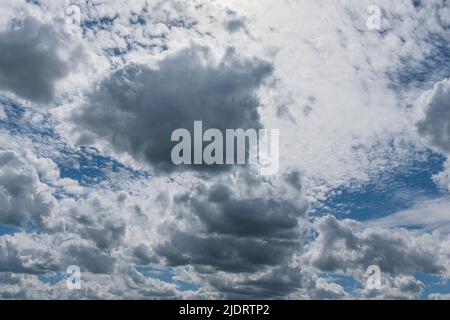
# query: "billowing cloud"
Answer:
x=23 y=197
x=242 y=226
x=32 y=59
x=347 y=246
x=23 y=253
x=137 y=108
x=435 y=126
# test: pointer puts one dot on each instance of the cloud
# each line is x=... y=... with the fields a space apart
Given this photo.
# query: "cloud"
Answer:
x=235 y=23
x=400 y=287
x=24 y=198
x=223 y=212
x=89 y=258
x=242 y=226
x=275 y=283
x=93 y=218
x=3 y=115
x=429 y=216
x=435 y=126
x=25 y=253
x=137 y=108
x=32 y=61
x=234 y=233
x=347 y=247
x=439 y=296
x=128 y=284
x=40 y=254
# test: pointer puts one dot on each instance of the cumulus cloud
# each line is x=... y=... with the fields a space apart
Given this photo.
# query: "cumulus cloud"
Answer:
x=429 y=216
x=92 y=218
x=400 y=287
x=435 y=126
x=137 y=108
x=347 y=246
x=439 y=296
x=34 y=254
x=243 y=226
x=24 y=198
x=127 y=284
x=25 y=253
x=32 y=59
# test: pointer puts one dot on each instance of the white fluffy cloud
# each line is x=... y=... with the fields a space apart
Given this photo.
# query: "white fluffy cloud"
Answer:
x=435 y=125
x=24 y=198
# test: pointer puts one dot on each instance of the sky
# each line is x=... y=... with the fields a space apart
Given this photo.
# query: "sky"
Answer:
x=91 y=90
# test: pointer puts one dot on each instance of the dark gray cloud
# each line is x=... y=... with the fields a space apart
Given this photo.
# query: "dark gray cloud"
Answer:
x=30 y=63
x=294 y=178
x=235 y=233
x=222 y=213
x=89 y=258
x=142 y=255
x=137 y=108
x=276 y=283
x=436 y=124
x=340 y=247
x=224 y=253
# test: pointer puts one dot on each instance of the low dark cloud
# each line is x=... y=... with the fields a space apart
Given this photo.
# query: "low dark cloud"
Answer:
x=276 y=283
x=223 y=213
x=225 y=253
x=340 y=247
x=235 y=233
x=89 y=258
x=30 y=63
x=137 y=108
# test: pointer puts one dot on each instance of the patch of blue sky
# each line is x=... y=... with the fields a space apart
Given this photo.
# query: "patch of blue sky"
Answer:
x=88 y=166
x=101 y=23
x=36 y=2
x=84 y=164
x=7 y=230
x=51 y=278
x=433 y=284
x=158 y=46
x=115 y=51
x=17 y=123
x=29 y=227
x=166 y=275
x=138 y=19
x=392 y=191
x=435 y=66
x=348 y=283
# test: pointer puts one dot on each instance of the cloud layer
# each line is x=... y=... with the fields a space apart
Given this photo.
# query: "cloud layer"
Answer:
x=352 y=105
